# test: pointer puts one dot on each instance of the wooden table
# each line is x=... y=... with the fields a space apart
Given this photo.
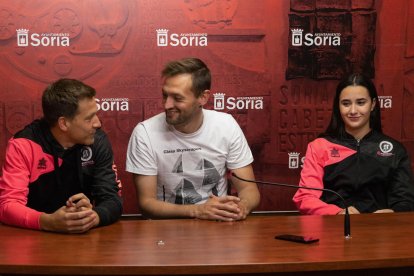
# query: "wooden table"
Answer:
x=381 y=244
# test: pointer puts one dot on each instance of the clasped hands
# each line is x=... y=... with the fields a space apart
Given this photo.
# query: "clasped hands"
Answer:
x=76 y=216
x=225 y=208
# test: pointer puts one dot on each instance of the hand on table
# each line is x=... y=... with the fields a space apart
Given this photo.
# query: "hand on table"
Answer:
x=76 y=217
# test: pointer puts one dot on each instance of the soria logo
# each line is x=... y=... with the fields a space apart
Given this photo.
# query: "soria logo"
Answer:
x=183 y=39
x=295 y=161
x=220 y=102
x=317 y=39
x=385 y=101
x=43 y=39
x=113 y=104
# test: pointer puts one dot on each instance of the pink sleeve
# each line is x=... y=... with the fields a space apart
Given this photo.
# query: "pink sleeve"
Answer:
x=14 y=186
x=308 y=201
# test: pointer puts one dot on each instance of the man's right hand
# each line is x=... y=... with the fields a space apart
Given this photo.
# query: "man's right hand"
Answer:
x=69 y=220
x=224 y=208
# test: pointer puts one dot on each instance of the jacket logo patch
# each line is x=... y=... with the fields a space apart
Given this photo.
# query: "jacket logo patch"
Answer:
x=42 y=164
x=335 y=152
x=86 y=156
x=385 y=148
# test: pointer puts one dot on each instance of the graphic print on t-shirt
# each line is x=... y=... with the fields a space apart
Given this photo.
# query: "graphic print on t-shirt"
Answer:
x=190 y=189
x=211 y=177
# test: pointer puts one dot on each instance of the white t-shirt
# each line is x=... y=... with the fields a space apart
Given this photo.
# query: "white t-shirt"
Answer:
x=189 y=167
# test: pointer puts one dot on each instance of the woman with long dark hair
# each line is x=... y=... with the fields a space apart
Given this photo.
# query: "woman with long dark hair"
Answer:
x=371 y=170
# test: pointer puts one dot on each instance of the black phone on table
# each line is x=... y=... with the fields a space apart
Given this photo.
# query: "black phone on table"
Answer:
x=297 y=238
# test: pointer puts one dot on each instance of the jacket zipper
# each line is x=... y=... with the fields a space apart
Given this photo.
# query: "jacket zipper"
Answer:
x=358 y=167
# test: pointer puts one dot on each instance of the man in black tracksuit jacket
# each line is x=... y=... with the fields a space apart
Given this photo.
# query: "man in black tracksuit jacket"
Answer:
x=60 y=176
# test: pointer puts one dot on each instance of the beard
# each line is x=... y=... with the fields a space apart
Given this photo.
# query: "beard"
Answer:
x=176 y=117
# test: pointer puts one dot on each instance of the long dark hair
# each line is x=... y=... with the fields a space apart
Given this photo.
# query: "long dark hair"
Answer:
x=336 y=127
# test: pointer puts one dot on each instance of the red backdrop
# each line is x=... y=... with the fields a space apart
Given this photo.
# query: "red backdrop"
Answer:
x=277 y=85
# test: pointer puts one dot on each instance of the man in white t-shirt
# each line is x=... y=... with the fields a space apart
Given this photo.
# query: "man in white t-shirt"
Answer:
x=180 y=158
